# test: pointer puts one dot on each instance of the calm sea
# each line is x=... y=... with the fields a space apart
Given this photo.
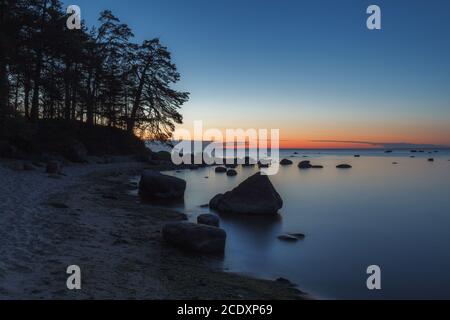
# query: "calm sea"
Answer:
x=396 y=216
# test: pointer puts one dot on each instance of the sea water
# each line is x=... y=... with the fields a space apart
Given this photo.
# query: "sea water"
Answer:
x=396 y=216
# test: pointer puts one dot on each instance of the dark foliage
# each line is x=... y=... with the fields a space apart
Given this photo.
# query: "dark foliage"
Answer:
x=96 y=77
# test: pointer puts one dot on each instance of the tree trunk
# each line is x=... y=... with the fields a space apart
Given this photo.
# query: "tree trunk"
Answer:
x=26 y=92
x=137 y=101
x=34 y=114
x=4 y=88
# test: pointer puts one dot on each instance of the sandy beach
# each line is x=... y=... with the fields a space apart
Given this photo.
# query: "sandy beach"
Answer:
x=88 y=217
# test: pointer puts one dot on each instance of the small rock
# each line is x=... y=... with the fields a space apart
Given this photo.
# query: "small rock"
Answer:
x=305 y=165
x=287 y=237
x=208 y=219
x=357 y=156
x=431 y=160
x=343 y=166
x=316 y=167
x=220 y=170
x=231 y=173
x=286 y=162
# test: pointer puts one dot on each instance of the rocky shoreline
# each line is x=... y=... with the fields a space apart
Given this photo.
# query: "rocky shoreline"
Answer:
x=89 y=217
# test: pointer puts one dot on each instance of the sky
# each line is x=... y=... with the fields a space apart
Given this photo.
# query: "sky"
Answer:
x=309 y=68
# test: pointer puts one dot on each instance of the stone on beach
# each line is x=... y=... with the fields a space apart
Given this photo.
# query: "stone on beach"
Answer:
x=231 y=173
x=431 y=160
x=208 y=219
x=195 y=237
x=154 y=184
x=254 y=196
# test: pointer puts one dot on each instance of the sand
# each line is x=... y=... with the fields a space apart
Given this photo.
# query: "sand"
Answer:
x=89 y=217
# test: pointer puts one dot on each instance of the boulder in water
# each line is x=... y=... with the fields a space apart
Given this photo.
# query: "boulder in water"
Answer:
x=254 y=196
x=343 y=166
x=286 y=162
x=195 y=237
x=220 y=170
x=154 y=184
x=304 y=164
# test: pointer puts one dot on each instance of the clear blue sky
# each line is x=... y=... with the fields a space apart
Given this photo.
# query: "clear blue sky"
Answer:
x=310 y=68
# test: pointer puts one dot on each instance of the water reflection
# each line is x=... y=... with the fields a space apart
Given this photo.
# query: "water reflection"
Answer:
x=393 y=215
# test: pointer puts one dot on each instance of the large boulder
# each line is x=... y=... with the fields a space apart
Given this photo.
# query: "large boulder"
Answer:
x=154 y=184
x=254 y=196
x=195 y=237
